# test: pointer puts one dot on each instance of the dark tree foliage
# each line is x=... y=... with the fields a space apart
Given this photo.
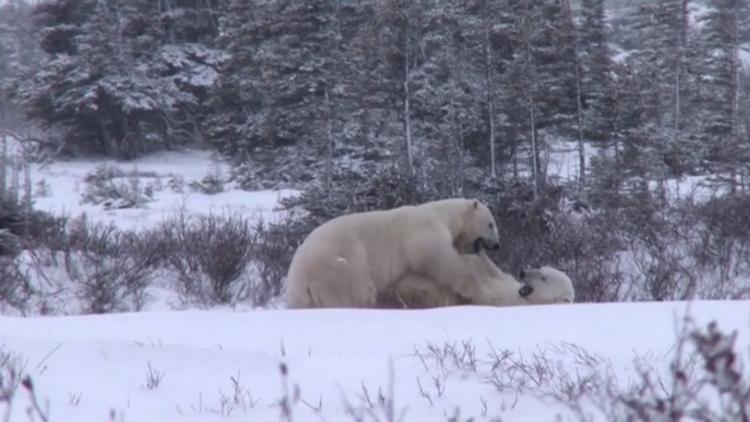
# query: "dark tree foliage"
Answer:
x=442 y=95
x=20 y=55
x=119 y=78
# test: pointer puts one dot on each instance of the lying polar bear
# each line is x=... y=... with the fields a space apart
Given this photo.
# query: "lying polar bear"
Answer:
x=543 y=285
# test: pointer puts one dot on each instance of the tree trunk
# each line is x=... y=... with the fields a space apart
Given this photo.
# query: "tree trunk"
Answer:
x=514 y=149
x=532 y=113
x=534 y=146
x=4 y=162
x=166 y=7
x=735 y=72
x=490 y=103
x=579 y=94
x=407 y=117
x=330 y=145
x=681 y=45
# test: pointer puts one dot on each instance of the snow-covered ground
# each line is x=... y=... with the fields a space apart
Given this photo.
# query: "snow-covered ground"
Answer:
x=66 y=187
x=84 y=368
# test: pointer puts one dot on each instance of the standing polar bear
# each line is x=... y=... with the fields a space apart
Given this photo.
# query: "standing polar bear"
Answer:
x=350 y=260
x=545 y=285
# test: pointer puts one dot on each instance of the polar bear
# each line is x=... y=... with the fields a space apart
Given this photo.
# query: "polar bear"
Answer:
x=349 y=260
x=544 y=285
x=547 y=285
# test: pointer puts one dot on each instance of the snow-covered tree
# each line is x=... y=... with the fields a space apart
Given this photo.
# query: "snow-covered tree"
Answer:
x=595 y=63
x=111 y=83
x=19 y=56
x=720 y=88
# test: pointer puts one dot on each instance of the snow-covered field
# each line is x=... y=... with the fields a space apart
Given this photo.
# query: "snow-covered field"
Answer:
x=219 y=365
x=161 y=171
x=225 y=364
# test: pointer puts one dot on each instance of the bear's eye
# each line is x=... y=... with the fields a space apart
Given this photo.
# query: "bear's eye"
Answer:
x=491 y=225
x=544 y=278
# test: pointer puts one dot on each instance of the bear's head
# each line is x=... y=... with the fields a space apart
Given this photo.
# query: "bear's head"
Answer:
x=479 y=230
x=546 y=285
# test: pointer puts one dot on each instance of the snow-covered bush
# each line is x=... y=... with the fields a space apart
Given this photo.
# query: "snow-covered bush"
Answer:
x=211 y=183
x=116 y=188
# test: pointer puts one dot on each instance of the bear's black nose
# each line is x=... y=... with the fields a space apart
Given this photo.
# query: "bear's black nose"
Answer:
x=525 y=290
x=496 y=246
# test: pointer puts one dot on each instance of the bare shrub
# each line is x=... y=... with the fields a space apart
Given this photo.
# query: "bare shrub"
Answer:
x=688 y=249
x=10 y=246
x=210 y=255
x=154 y=378
x=12 y=379
x=720 y=245
x=238 y=398
x=377 y=406
x=108 y=269
x=15 y=287
x=275 y=245
x=700 y=379
x=703 y=382
x=585 y=247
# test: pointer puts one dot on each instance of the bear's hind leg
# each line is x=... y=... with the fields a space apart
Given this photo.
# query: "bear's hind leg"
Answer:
x=342 y=282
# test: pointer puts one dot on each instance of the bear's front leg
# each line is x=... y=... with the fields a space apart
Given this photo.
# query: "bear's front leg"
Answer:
x=447 y=268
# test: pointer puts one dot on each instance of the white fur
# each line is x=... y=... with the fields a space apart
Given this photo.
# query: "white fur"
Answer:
x=497 y=288
x=350 y=260
x=550 y=285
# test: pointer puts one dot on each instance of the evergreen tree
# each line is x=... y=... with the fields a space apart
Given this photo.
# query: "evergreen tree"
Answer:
x=541 y=73
x=111 y=84
x=19 y=56
x=290 y=83
x=719 y=93
x=595 y=66
x=447 y=99
x=400 y=25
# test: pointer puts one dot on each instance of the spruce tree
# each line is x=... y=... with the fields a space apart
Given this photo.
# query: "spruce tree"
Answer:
x=720 y=93
x=111 y=84
x=595 y=65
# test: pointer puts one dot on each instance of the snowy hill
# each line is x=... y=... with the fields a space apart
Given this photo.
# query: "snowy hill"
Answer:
x=217 y=365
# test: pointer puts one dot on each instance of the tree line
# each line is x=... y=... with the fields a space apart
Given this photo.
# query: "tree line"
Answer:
x=443 y=94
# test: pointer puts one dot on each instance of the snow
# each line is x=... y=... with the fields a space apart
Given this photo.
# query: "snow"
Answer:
x=86 y=367
x=195 y=63
x=619 y=55
x=67 y=186
x=744 y=54
x=697 y=13
x=564 y=160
